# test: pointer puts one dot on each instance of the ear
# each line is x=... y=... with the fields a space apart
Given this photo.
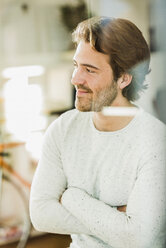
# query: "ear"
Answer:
x=124 y=81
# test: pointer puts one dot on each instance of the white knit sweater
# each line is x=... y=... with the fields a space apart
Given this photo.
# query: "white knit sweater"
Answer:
x=96 y=171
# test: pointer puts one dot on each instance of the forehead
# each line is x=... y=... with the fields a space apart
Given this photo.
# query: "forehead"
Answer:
x=86 y=54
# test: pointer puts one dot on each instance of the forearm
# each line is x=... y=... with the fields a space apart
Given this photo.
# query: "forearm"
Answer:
x=46 y=212
x=48 y=215
x=115 y=228
x=98 y=216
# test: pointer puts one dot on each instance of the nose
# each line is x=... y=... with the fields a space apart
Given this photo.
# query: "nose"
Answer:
x=77 y=77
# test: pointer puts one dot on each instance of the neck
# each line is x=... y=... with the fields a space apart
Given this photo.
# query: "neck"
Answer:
x=112 y=123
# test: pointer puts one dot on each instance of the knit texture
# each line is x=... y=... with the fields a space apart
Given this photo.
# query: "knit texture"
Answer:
x=95 y=172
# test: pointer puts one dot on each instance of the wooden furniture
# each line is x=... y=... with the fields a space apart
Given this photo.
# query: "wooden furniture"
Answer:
x=45 y=241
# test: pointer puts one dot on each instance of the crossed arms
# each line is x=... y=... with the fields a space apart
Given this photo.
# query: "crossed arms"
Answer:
x=79 y=213
x=120 y=208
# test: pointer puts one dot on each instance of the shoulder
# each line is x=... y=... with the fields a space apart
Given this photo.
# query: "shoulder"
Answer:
x=64 y=118
x=148 y=134
x=55 y=132
x=151 y=141
x=152 y=136
x=152 y=126
x=68 y=121
x=71 y=115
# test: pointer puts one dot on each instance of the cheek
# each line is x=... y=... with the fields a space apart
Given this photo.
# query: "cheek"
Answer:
x=107 y=76
x=92 y=82
x=95 y=80
x=98 y=83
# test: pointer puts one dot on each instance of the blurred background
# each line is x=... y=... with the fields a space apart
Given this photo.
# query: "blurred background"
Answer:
x=36 y=53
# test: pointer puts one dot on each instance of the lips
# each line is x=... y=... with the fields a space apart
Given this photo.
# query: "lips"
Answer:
x=81 y=92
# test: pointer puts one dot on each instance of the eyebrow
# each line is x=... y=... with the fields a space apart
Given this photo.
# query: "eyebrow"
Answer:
x=88 y=65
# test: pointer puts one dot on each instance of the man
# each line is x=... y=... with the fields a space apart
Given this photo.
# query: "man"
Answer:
x=102 y=178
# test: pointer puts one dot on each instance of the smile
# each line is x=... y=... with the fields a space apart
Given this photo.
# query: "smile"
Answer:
x=81 y=92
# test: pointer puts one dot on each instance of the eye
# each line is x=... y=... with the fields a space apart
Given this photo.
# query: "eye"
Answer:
x=89 y=70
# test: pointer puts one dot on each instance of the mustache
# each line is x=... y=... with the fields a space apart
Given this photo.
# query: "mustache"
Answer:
x=83 y=88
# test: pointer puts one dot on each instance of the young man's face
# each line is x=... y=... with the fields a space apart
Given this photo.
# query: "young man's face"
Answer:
x=93 y=79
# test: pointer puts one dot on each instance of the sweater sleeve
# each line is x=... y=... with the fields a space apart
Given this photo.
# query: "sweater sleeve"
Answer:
x=143 y=224
x=49 y=182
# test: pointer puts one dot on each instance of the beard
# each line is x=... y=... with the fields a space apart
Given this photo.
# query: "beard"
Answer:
x=95 y=101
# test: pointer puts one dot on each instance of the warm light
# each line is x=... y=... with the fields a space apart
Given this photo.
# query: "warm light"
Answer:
x=25 y=71
x=23 y=104
x=34 y=144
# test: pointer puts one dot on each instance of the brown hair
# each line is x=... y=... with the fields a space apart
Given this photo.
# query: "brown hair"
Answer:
x=124 y=43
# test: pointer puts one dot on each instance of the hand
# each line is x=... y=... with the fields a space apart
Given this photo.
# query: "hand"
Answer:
x=122 y=208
